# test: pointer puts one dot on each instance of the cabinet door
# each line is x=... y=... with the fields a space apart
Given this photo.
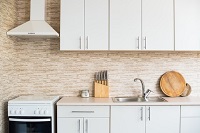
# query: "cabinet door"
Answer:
x=165 y=119
x=96 y=125
x=125 y=24
x=157 y=25
x=190 y=125
x=70 y=125
x=127 y=119
x=72 y=25
x=187 y=24
x=96 y=24
x=190 y=119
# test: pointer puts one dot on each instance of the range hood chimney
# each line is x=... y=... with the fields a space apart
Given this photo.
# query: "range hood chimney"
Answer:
x=37 y=26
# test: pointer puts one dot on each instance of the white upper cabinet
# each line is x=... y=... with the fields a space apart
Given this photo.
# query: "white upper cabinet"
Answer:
x=72 y=25
x=141 y=24
x=187 y=24
x=133 y=24
x=84 y=25
x=125 y=24
x=157 y=25
x=96 y=24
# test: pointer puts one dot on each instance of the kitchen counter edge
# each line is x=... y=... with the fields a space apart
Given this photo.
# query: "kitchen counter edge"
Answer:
x=92 y=101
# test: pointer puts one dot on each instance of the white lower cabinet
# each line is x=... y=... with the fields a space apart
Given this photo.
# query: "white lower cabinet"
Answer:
x=83 y=119
x=145 y=119
x=83 y=125
x=127 y=119
x=70 y=125
x=190 y=125
x=96 y=125
x=190 y=119
x=162 y=119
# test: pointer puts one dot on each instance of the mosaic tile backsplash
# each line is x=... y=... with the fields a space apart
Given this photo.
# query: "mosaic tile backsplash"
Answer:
x=36 y=66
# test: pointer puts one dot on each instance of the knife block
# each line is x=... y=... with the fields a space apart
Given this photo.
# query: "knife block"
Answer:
x=100 y=90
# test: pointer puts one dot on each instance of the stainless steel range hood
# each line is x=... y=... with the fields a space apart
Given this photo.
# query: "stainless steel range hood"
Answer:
x=37 y=26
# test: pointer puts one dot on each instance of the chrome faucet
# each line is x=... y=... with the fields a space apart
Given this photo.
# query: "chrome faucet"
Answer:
x=144 y=94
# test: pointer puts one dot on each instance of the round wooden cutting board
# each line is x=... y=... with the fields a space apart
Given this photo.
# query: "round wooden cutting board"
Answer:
x=172 y=84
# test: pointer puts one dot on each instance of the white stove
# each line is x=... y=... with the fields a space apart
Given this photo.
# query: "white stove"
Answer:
x=32 y=114
x=34 y=99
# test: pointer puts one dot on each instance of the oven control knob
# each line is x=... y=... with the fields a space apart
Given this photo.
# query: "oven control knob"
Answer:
x=46 y=112
x=22 y=111
x=12 y=111
x=41 y=112
x=36 y=112
x=17 y=112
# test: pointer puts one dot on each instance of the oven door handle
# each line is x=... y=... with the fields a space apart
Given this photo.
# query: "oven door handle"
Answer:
x=29 y=120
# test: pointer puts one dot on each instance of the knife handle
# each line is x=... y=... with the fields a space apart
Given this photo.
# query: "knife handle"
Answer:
x=106 y=82
x=103 y=82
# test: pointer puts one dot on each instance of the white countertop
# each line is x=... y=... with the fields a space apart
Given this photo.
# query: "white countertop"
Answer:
x=190 y=100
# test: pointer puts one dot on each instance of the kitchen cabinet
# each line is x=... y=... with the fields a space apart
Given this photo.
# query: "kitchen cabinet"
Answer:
x=141 y=25
x=162 y=118
x=70 y=125
x=96 y=125
x=145 y=119
x=190 y=119
x=127 y=119
x=83 y=125
x=83 y=119
x=84 y=25
x=125 y=24
x=158 y=24
x=187 y=25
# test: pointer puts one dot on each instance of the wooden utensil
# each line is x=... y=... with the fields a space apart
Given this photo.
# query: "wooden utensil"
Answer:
x=172 y=84
x=187 y=90
x=100 y=90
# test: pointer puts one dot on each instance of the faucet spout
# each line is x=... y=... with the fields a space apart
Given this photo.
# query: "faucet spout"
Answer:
x=146 y=94
x=143 y=87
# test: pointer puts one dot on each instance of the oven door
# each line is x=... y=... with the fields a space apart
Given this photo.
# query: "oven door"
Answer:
x=30 y=125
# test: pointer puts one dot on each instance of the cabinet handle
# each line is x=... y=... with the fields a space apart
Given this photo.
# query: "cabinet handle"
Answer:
x=80 y=42
x=82 y=111
x=87 y=42
x=79 y=125
x=149 y=109
x=145 y=42
x=141 y=113
x=86 y=123
x=138 y=39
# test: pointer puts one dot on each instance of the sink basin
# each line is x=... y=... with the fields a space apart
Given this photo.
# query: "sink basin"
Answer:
x=138 y=99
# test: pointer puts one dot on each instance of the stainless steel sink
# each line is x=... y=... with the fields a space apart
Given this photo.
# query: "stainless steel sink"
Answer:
x=138 y=99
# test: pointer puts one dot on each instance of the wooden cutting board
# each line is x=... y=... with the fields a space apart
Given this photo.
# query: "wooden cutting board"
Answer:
x=172 y=84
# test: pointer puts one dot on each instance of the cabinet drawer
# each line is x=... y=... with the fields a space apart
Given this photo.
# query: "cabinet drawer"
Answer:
x=190 y=111
x=83 y=111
